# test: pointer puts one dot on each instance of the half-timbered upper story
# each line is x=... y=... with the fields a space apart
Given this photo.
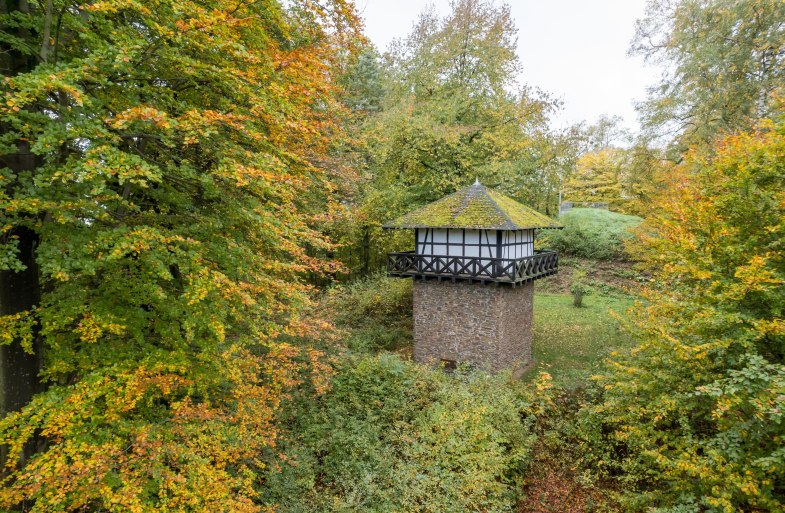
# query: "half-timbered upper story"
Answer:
x=474 y=234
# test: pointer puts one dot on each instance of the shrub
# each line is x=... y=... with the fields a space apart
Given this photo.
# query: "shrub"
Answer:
x=692 y=419
x=394 y=436
x=579 y=287
x=377 y=312
x=591 y=233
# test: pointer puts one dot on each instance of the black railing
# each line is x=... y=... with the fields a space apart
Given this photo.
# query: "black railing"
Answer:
x=504 y=270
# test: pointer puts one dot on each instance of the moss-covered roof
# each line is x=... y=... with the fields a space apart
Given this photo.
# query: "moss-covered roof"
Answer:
x=475 y=207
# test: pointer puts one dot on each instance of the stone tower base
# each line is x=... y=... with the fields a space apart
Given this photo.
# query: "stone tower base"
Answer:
x=488 y=326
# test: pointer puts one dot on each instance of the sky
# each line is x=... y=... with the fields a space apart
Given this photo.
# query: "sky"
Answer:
x=576 y=50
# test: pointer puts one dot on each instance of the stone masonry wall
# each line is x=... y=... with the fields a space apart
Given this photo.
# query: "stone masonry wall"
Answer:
x=486 y=325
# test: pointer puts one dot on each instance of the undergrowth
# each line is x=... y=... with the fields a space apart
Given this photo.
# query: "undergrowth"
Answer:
x=394 y=436
x=375 y=312
x=391 y=435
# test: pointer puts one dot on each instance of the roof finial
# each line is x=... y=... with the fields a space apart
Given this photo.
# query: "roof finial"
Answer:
x=477 y=181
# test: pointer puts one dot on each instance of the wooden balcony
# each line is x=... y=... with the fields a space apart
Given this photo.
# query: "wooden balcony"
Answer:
x=482 y=269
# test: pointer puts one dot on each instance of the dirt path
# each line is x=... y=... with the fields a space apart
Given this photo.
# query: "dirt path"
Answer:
x=554 y=481
x=551 y=487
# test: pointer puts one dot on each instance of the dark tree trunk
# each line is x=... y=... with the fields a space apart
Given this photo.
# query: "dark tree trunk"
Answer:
x=19 y=290
x=366 y=252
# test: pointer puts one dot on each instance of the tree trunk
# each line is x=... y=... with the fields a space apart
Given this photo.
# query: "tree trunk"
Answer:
x=366 y=252
x=19 y=290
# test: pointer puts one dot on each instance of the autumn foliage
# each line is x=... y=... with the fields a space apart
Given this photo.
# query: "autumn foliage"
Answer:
x=179 y=150
x=177 y=175
x=692 y=419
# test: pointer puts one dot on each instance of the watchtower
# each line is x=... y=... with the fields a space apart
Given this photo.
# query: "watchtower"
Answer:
x=474 y=265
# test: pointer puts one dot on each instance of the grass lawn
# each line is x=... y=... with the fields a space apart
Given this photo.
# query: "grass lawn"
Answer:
x=571 y=342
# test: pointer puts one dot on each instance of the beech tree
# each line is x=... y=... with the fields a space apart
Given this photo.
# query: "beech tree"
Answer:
x=692 y=417
x=627 y=179
x=455 y=108
x=161 y=178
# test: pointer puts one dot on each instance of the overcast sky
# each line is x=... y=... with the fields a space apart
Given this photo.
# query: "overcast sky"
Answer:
x=574 y=49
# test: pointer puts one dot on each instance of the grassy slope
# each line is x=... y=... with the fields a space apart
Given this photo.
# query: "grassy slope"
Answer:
x=571 y=342
x=599 y=218
x=591 y=233
x=568 y=342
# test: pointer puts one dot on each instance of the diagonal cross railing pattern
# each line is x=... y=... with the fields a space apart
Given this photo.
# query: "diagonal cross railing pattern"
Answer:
x=503 y=270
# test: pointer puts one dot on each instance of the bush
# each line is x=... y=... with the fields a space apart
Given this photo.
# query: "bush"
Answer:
x=579 y=287
x=377 y=312
x=394 y=436
x=692 y=419
x=591 y=233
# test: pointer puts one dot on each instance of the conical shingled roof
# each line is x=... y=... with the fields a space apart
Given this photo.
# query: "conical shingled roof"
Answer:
x=476 y=207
